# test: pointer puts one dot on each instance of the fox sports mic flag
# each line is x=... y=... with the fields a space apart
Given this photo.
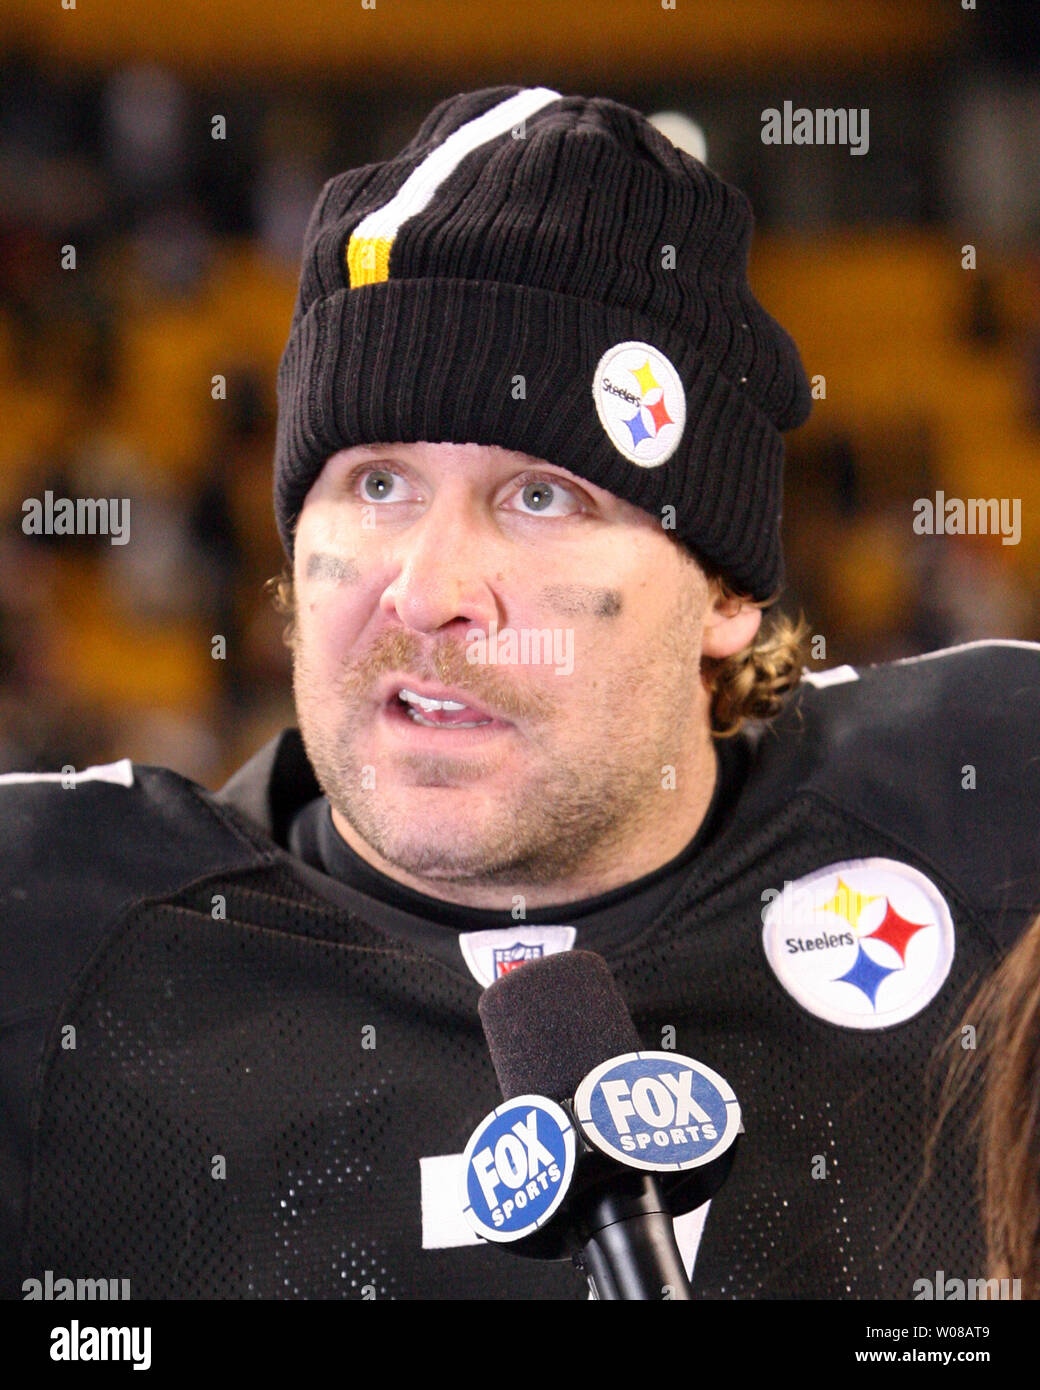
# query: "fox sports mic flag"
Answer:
x=517 y=1168
x=659 y=1111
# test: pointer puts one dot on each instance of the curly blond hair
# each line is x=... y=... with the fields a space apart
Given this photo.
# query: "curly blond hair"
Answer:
x=751 y=684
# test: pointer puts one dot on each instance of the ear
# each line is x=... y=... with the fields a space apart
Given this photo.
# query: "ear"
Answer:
x=730 y=625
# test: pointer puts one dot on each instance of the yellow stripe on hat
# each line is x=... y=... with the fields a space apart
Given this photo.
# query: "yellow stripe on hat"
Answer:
x=368 y=252
x=368 y=259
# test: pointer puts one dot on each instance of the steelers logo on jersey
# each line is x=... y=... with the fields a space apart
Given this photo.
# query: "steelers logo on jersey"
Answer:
x=866 y=943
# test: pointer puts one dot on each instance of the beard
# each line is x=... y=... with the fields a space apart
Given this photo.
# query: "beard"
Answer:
x=450 y=820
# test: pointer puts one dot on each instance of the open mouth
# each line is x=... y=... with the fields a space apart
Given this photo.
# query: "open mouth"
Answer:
x=439 y=714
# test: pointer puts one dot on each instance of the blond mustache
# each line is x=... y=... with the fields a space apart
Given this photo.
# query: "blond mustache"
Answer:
x=447 y=664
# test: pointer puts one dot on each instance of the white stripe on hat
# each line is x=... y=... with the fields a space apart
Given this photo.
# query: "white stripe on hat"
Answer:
x=369 y=248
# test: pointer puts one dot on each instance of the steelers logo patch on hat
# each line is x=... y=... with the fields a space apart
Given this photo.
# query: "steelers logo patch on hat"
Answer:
x=640 y=402
x=865 y=944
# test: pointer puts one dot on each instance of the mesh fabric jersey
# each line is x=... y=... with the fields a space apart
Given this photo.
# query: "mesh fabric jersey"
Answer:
x=268 y=1062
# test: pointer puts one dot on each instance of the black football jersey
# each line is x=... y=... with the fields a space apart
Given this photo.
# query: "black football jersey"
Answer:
x=226 y=1072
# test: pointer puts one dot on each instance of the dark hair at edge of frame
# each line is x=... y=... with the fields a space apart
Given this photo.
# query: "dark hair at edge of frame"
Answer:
x=750 y=685
x=999 y=1081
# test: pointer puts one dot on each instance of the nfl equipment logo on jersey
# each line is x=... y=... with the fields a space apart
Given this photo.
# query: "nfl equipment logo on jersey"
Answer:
x=493 y=953
x=507 y=958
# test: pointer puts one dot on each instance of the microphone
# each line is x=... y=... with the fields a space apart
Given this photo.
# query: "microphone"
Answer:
x=594 y=1143
x=551 y=1020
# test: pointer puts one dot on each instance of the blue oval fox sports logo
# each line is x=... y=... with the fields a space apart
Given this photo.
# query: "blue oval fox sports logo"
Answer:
x=657 y=1110
x=517 y=1168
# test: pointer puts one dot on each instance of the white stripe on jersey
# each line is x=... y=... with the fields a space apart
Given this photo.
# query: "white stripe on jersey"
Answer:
x=967 y=647
x=836 y=675
x=121 y=773
x=444 y=1226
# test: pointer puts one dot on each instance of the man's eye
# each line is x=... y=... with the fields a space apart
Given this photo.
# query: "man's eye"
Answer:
x=544 y=498
x=377 y=485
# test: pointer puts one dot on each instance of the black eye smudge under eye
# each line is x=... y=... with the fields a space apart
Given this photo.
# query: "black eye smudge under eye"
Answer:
x=336 y=568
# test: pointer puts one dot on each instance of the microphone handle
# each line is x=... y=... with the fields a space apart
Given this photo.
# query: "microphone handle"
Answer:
x=629 y=1249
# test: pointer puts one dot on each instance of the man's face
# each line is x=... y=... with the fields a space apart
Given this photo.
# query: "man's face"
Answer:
x=571 y=621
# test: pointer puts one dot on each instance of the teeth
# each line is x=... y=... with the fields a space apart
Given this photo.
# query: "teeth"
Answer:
x=416 y=718
x=423 y=703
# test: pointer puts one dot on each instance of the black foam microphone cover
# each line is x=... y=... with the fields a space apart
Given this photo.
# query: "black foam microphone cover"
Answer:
x=550 y=1021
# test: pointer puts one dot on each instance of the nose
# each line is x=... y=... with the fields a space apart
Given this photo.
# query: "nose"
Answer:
x=443 y=562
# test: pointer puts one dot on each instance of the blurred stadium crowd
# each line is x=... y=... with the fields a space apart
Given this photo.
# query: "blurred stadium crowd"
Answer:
x=186 y=253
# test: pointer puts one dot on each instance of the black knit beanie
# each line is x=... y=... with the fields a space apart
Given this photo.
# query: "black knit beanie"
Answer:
x=551 y=275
